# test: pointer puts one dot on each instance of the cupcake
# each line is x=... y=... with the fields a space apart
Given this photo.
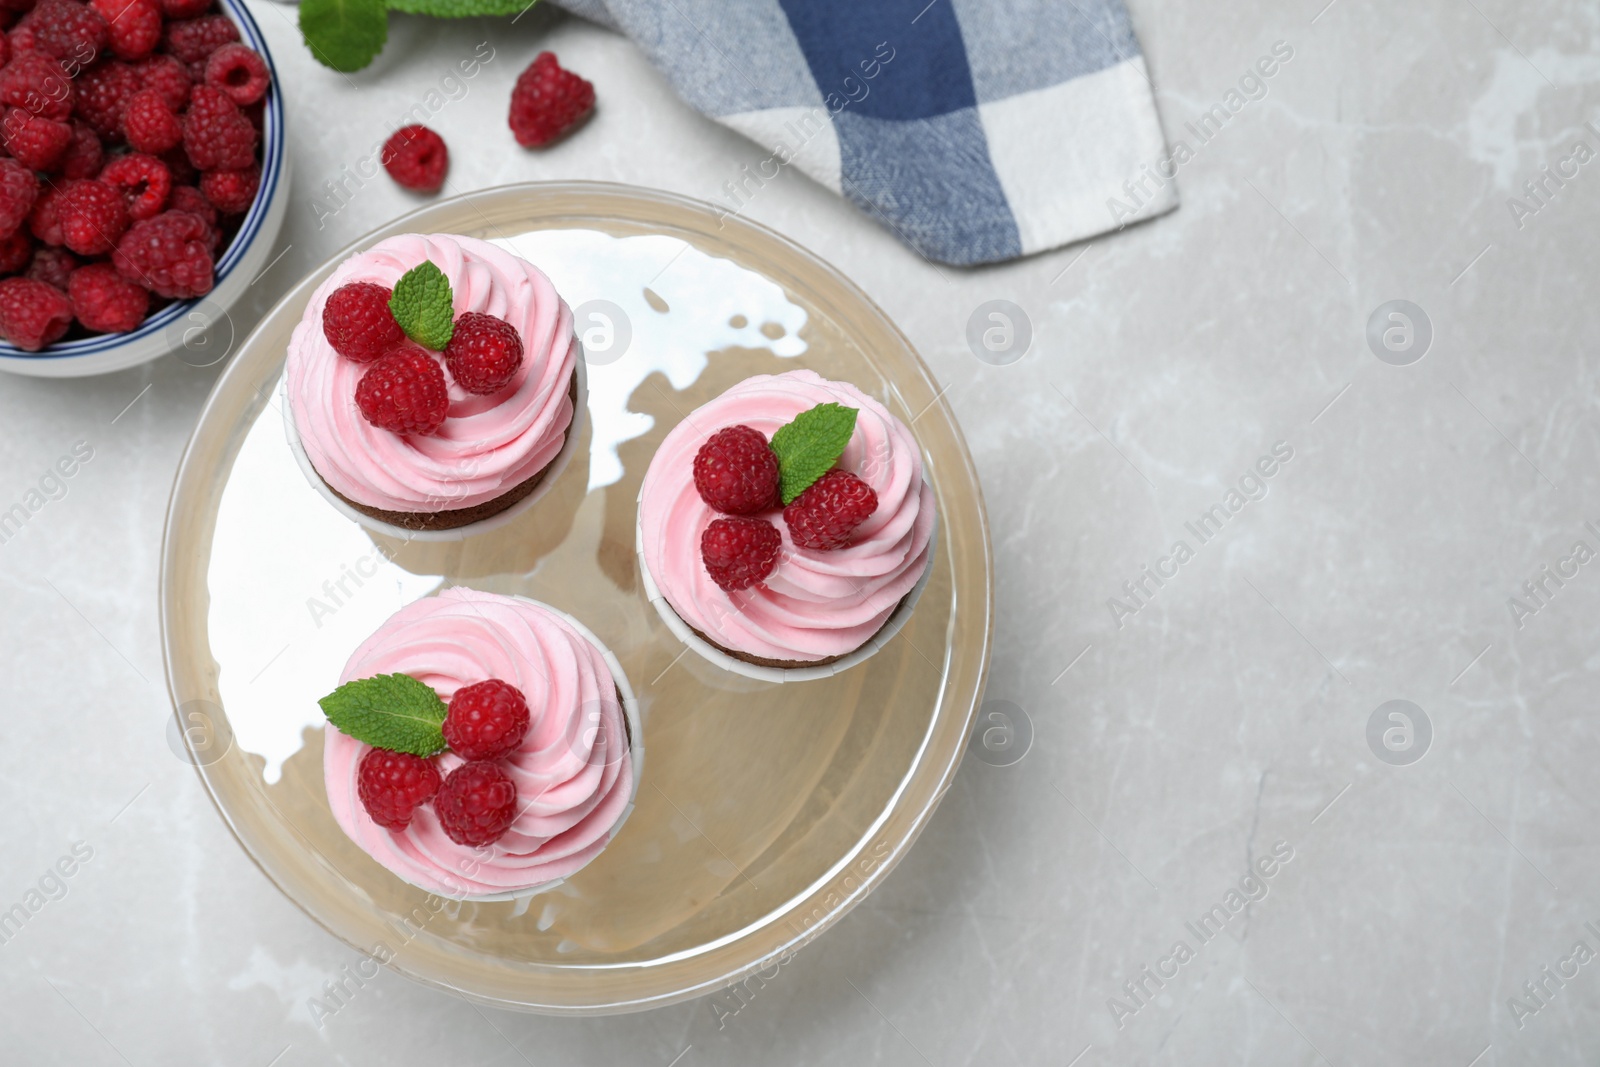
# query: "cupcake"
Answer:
x=481 y=747
x=433 y=384
x=785 y=528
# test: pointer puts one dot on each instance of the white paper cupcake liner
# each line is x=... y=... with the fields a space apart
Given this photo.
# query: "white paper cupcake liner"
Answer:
x=706 y=650
x=580 y=410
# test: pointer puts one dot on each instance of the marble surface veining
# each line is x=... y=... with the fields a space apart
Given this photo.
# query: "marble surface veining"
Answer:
x=1188 y=735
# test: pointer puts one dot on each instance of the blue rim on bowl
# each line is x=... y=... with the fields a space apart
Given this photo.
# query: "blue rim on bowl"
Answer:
x=261 y=217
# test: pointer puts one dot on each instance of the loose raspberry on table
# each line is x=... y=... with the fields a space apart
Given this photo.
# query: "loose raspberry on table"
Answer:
x=231 y=191
x=238 y=71
x=53 y=265
x=68 y=30
x=216 y=135
x=133 y=27
x=93 y=216
x=84 y=153
x=149 y=125
x=184 y=9
x=357 y=321
x=19 y=188
x=739 y=552
x=192 y=40
x=102 y=92
x=167 y=255
x=35 y=142
x=37 y=83
x=476 y=804
x=105 y=301
x=393 y=785
x=404 y=392
x=145 y=185
x=736 y=471
x=486 y=720
x=484 y=353
x=16 y=250
x=548 y=102
x=828 y=512
x=44 y=221
x=32 y=314
x=416 y=158
x=166 y=75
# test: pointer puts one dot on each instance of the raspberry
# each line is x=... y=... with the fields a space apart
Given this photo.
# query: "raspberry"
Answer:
x=44 y=221
x=167 y=255
x=149 y=124
x=486 y=720
x=84 y=153
x=736 y=471
x=393 y=785
x=18 y=190
x=416 y=158
x=184 y=9
x=32 y=314
x=35 y=142
x=404 y=392
x=93 y=216
x=192 y=40
x=548 y=102
x=484 y=353
x=238 y=71
x=53 y=265
x=133 y=27
x=190 y=199
x=103 y=92
x=231 y=191
x=168 y=77
x=39 y=84
x=216 y=136
x=105 y=301
x=740 y=552
x=476 y=804
x=67 y=29
x=357 y=322
x=15 y=251
x=145 y=186
x=828 y=512
x=20 y=39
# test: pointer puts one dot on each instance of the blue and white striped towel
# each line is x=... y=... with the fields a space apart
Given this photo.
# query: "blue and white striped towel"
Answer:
x=976 y=130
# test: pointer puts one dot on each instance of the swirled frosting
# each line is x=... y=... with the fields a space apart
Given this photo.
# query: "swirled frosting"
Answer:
x=815 y=605
x=573 y=771
x=488 y=444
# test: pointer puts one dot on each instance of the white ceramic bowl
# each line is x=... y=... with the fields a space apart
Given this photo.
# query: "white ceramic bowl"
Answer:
x=183 y=323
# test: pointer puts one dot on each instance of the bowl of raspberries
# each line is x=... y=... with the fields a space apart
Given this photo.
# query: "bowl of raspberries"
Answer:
x=141 y=176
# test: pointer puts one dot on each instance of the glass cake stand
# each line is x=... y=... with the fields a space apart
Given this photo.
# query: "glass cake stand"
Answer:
x=765 y=811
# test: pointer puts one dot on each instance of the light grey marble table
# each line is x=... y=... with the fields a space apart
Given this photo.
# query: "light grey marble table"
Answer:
x=1208 y=726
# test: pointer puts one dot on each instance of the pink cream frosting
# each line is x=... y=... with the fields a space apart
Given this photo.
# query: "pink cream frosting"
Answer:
x=815 y=605
x=573 y=771
x=488 y=444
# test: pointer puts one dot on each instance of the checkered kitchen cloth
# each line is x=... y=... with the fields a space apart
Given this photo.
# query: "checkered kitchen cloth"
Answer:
x=976 y=130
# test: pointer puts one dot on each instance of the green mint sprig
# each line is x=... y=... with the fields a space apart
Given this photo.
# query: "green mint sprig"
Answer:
x=422 y=305
x=346 y=34
x=808 y=447
x=392 y=711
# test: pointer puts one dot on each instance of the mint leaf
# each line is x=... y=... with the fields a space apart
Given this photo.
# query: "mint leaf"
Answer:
x=422 y=306
x=393 y=711
x=457 y=9
x=344 y=34
x=809 y=446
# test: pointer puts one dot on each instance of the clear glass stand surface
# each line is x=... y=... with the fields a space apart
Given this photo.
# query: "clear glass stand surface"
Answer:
x=765 y=811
